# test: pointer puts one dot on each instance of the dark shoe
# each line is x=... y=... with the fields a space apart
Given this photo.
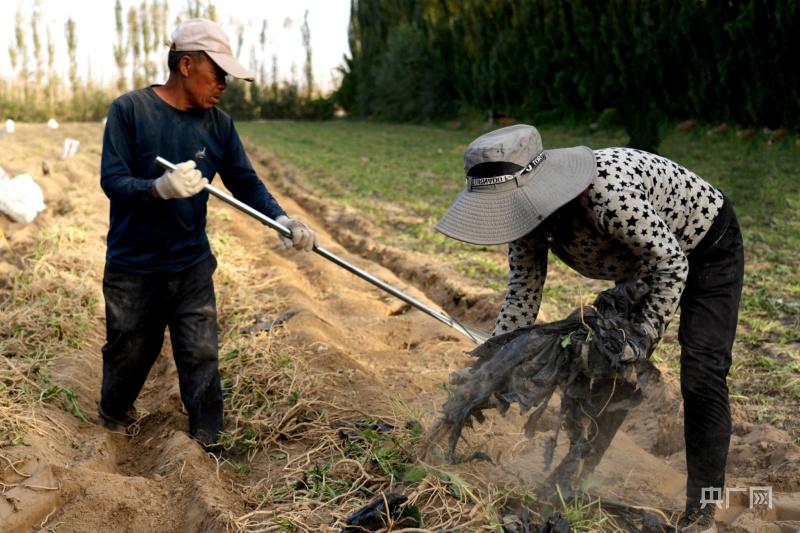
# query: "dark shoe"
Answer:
x=209 y=443
x=113 y=423
x=698 y=520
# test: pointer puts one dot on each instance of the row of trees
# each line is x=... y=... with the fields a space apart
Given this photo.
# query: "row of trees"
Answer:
x=147 y=31
x=35 y=91
x=648 y=60
x=267 y=98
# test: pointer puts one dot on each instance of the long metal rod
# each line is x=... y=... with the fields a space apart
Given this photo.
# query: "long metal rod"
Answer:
x=475 y=335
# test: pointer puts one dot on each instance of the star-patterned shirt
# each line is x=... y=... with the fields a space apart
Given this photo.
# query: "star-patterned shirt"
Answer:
x=638 y=219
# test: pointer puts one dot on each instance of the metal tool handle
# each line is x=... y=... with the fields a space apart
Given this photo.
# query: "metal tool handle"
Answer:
x=475 y=335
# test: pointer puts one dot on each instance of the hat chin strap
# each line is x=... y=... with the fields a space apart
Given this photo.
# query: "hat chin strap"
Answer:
x=488 y=173
x=535 y=162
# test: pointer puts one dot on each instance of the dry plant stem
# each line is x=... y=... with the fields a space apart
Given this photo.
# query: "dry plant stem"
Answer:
x=13 y=466
x=39 y=487
x=7 y=486
x=20 y=374
x=57 y=424
x=611 y=395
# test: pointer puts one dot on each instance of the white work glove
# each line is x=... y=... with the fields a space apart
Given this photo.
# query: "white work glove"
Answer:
x=183 y=182
x=303 y=238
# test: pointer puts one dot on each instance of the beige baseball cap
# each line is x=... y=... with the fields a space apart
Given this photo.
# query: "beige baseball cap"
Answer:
x=203 y=35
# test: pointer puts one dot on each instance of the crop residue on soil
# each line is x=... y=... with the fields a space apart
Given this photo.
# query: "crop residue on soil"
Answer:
x=344 y=355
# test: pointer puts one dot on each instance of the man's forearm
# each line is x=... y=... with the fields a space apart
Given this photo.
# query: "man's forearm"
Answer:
x=127 y=189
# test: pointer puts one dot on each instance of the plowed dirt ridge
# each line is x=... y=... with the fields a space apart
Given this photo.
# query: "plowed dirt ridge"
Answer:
x=66 y=474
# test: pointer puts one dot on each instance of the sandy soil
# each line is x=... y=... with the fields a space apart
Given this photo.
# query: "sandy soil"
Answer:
x=72 y=475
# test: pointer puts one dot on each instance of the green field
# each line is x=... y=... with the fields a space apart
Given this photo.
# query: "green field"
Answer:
x=403 y=177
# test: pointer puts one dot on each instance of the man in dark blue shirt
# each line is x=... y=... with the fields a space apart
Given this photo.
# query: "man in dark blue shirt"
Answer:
x=159 y=263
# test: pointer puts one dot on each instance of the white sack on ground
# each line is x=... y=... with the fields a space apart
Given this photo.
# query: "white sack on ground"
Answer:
x=21 y=198
x=52 y=123
x=10 y=126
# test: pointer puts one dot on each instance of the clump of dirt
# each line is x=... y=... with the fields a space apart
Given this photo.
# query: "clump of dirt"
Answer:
x=670 y=436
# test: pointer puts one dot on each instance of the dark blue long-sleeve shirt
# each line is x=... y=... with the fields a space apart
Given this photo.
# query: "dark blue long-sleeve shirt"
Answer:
x=147 y=234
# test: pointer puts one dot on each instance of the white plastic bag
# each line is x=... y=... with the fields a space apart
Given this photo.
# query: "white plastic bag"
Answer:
x=70 y=148
x=52 y=123
x=21 y=198
x=10 y=126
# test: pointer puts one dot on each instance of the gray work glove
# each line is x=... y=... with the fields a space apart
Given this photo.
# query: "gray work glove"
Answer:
x=183 y=182
x=303 y=238
x=640 y=348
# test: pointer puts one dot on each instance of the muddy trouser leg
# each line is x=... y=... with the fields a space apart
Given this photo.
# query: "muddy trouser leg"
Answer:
x=193 y=330
x=709 y=312
x=135 y=323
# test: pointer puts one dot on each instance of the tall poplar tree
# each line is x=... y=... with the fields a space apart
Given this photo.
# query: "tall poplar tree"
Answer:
x=37 y=54
x=72 y=51
x=262 y=39
x=308 y=68
x=52 y=78
x=21 y=54
x=147 y=42
x=120 y=48
x=135 y=47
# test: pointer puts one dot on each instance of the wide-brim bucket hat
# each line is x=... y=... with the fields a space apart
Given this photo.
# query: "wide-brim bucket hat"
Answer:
x=513 y=185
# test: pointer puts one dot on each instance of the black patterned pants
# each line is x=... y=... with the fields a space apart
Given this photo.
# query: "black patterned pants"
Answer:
x=709 y=312
x=139 y=308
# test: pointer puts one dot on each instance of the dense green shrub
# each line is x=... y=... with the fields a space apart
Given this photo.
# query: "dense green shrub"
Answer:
x=651 y=60
x=408 y=84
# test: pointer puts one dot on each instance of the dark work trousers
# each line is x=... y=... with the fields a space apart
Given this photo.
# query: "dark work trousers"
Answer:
x=709 y=312
x=139 y=307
